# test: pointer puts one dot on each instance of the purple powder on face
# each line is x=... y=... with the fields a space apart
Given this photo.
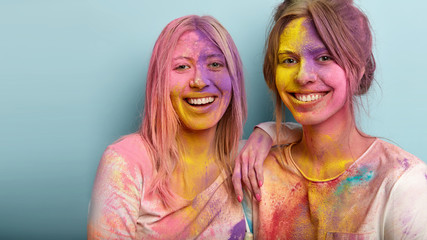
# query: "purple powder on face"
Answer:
x=425 y=175
x=238 y=231
x=404 y=163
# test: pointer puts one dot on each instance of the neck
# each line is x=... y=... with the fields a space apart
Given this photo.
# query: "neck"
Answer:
x=327 y=149
x=196 y=146
x=198 y=169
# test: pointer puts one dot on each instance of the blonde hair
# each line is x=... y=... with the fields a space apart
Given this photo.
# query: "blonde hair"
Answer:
x=160 y=122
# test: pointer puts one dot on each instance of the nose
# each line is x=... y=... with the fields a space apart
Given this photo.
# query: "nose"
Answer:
x=199 y=80
x=307 y=73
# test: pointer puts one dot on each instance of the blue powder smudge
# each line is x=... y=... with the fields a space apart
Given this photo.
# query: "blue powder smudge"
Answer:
x=238 y=231
x=363 y=176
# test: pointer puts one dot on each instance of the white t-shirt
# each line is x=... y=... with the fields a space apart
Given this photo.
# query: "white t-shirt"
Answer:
x=382 y=195
x=123 y=208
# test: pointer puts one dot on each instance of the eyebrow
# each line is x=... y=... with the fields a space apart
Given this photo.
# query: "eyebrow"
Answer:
x=220 y=55
x=314 y=51
x=181 y=57
x=318 y=50
x=285 y=52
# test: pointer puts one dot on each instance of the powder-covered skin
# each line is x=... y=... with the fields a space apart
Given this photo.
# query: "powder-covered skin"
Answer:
x=309 y=82
x=200 y=93
x=199 y=72
x=122 y=207
x=377 y=197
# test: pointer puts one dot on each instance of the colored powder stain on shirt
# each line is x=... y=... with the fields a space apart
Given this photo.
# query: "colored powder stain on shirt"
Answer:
x=278 y=222
x=290 y=222
x=297 y=187
x=238 y=231
x=404 y=163
x=363 y=176
x=212 y=212
x=407 y=231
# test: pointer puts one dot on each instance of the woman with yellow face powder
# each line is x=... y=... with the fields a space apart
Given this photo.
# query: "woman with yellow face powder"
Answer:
x=337 y=182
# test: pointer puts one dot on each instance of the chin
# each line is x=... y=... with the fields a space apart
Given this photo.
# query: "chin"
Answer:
x=200 y=125
x=303 y=119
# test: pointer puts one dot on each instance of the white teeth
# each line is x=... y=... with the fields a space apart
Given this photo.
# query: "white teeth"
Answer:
x=200 y=101
x=308 y=97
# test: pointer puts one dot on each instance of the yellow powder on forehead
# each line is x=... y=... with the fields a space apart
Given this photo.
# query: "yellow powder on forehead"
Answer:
x=293 y=35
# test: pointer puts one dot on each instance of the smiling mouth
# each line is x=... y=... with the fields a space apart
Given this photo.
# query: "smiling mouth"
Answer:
x=200 y=101
x=308 y=97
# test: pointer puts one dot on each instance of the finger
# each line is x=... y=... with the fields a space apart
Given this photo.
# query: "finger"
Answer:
x=244 y=162
x=237 y=182
x=259 y=170
x=253 y=178
x=262 y=155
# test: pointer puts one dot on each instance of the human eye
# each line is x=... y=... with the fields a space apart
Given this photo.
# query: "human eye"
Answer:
x=215 y=65
x=325 y=58
x=181 y=67
x=288 y=60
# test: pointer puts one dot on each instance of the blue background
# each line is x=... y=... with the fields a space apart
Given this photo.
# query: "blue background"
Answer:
x=72 y=81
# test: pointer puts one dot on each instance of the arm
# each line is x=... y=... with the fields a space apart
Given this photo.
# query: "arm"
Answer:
x=290 y=132
x=405 y=216
x=115 y=199
x=248 y=165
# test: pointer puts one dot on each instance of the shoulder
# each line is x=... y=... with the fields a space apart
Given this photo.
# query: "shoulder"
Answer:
x=277 y=162
x=128 y=152
x=394 y=158
x=399 y=169
x=131 y=145
x=274 y=156
x=410 y=169
x=123 y=169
